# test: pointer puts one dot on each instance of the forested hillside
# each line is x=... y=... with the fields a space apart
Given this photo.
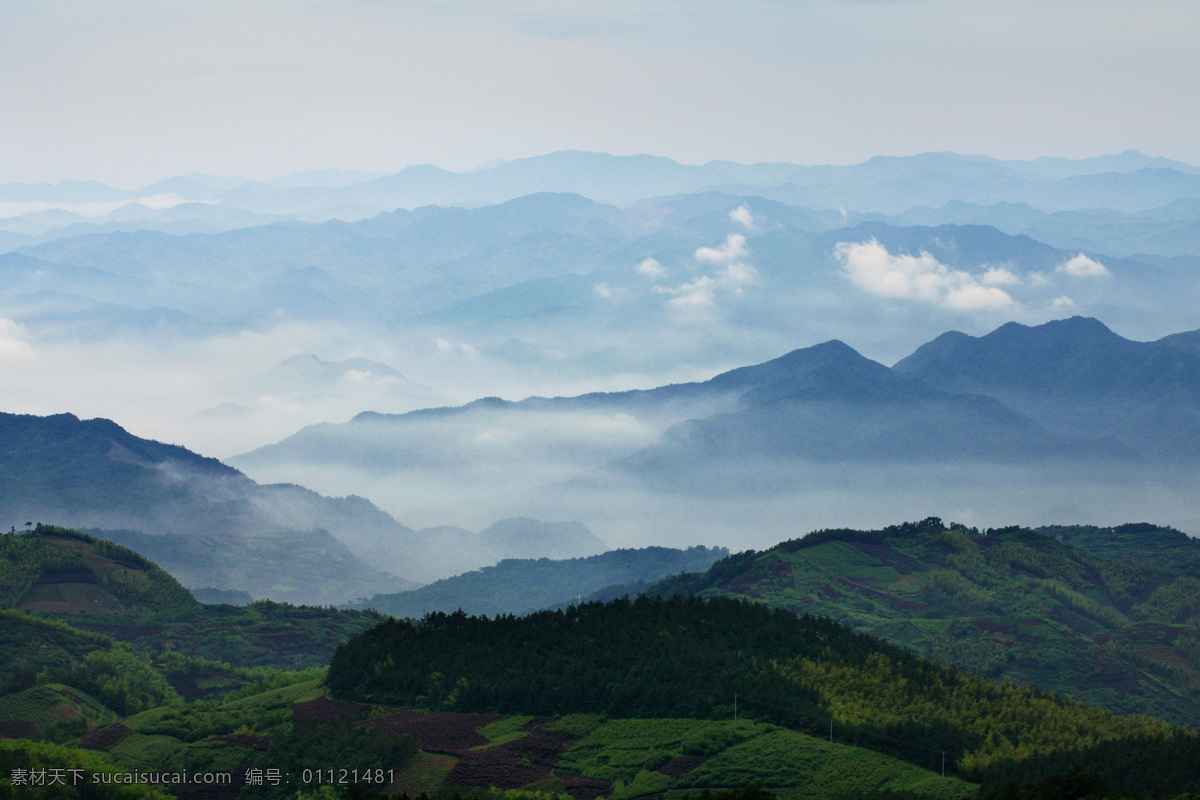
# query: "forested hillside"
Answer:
x=1009 y=603
x=689 y=657
x=86 y=613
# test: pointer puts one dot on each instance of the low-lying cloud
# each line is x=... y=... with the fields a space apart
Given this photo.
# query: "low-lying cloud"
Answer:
x=921 y=278
x=733 y=249
x=701 y=293
x=742 y=216
x=12 y=341
x=1083 y=267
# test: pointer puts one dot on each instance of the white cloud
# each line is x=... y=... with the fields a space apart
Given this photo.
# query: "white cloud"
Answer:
x=603 y=290
x=1038 y=279
x=1063 y=302
x=742 y=216
x=998 y=276
x=651 y=269
x=872 y=268
x=701 y=293
x=12 y=340
x=698 y=294
x=1083 y=267
x=733 y=249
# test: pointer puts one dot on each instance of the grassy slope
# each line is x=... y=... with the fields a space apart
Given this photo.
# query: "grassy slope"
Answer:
x=1013 y=604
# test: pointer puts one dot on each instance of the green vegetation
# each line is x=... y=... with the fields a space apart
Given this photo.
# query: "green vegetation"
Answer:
x=1010 y=603
x=681 y=657
x=33 y=565
x=1137 y=542
x=19 y=758
x=52 y=712
x=621 y=700
x=148 y=643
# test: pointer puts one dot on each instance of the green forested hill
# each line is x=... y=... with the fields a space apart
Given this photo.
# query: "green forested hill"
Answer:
x=1009 y=603
x=1139 y=542
x=518 y=586
x=655 y=657
x=108 y=624
x=56 y=569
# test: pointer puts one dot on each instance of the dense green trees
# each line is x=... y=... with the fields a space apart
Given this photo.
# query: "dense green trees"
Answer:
x=677 y=657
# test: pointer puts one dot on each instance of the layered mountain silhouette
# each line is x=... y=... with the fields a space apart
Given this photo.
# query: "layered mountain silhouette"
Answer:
x=1079 y=378
x=1070 y=391
x=213 y=527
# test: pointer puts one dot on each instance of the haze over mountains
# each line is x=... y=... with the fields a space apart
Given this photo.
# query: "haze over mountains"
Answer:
x=1060 y=423
x=563 y=274
x=1024 y=424
x=617 y=287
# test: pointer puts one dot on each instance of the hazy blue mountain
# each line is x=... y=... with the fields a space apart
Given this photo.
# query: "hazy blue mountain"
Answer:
x=829 y=404
x=1170 y=230
x=212 y=526
x=1129 y=181
x=1078 y=377
x=521 y=586
x=501 y=277
x=820 y=428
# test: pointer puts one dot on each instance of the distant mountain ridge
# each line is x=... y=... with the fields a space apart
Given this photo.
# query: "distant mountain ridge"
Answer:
x=602 y=176
x=1079 y=377
x=1070 y=391
x=213 y=527
x=520 y=586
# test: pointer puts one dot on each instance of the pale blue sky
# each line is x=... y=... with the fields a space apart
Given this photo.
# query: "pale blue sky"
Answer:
x=127 y=91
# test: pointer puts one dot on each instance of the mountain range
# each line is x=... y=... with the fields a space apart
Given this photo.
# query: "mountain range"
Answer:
x=1068 y=409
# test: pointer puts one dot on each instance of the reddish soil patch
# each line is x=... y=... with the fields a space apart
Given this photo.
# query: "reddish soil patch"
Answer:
x=680 y=766
x=324 y=709
x=585 y=788
x=448 y=732
x=513 y=764
x=898 y=602
x=104 y=738
x=889 y=557
x=497 y=767
x=76 y=576
x=543 y=748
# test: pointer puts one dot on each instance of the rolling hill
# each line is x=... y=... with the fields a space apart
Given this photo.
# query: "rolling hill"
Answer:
x=1008 y=604
x=662 y=659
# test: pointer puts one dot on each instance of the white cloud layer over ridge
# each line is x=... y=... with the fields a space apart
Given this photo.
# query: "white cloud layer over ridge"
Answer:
x=1083 y=267
x=922 y=278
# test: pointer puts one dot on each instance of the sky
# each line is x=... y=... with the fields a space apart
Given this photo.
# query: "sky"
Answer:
x=128 y=91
